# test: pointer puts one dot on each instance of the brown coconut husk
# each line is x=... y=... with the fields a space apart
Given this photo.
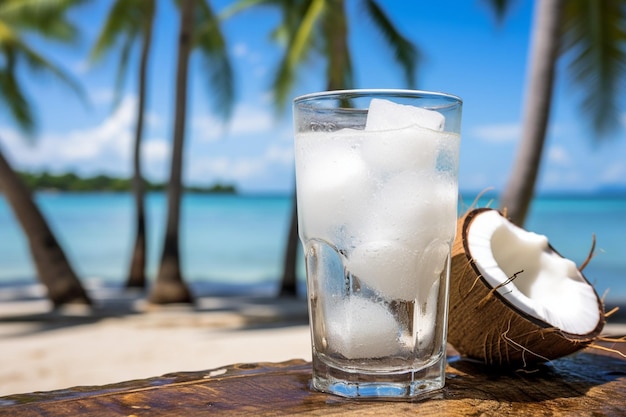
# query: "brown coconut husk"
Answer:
x=485 y=326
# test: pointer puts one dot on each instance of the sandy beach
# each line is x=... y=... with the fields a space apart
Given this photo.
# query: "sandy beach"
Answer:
x=124 y=338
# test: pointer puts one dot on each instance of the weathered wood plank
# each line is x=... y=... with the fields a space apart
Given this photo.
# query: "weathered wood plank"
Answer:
x=584 y=384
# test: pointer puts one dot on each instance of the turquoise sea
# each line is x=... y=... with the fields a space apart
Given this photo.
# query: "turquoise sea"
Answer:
x=235 y=243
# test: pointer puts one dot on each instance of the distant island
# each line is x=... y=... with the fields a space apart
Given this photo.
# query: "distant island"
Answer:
x=45 y=181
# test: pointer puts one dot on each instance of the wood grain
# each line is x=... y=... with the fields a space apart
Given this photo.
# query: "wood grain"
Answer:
x=584 y=384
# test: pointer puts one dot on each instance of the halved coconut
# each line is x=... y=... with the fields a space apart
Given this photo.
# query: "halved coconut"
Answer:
x=513 y=299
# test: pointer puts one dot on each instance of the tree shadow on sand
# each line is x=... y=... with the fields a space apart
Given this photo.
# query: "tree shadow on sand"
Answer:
x=31 y=313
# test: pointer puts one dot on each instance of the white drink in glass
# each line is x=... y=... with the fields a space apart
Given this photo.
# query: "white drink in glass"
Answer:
x=377 y=207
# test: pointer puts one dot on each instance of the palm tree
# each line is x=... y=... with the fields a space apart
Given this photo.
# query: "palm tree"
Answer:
x=321 y=26
x=199 y=29
x=592 y=35
x=17 y=19
x=130 y=21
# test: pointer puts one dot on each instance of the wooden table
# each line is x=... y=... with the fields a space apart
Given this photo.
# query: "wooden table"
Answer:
x=589 y=383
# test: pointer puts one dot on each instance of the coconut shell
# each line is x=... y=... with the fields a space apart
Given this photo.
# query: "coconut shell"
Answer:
x=485 y=326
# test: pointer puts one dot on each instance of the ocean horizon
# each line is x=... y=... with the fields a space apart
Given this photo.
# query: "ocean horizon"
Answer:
x=234 y=243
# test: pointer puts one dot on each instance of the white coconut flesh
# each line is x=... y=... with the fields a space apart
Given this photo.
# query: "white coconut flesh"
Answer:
x=550 y=288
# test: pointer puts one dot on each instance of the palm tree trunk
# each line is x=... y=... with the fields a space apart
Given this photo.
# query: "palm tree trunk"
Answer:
x=288 y=286
x=339 y=65
x=137 y=272
x=518 y=193
x=170 y=286
x=53 y=268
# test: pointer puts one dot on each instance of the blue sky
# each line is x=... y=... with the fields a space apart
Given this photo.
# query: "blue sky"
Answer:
x=465 y=52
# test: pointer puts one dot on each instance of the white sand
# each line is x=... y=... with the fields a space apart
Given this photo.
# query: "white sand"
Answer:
x=124 y=339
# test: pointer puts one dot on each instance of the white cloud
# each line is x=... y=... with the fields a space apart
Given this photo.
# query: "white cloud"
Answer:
x=246 y=120
x=268 y=97
x=559 y=155
x=498 y=133
x=207 y=128
x=562 y=179
x=156 y=149
x=239 y=169
x=614 y=173
x=10 y=138
x=240 y=50
x=155 y=159
x=225 y=168
x=251 y=120
x=106 y=147
x=251 y=58
x=256 y=148
x=478 y=181
x=80 y=67
x=112 y=136
x=102 y=96
x=153 y=120
x=280 y=155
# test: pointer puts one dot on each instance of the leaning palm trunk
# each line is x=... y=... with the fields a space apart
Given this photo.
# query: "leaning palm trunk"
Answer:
x=137 y=273
x=518 y=193
x=53 y=268
x=170 y=286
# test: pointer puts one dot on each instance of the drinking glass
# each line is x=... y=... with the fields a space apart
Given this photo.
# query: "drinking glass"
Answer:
x=377 y=190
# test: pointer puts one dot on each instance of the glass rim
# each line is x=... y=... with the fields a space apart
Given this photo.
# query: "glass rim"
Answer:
x=357 y=92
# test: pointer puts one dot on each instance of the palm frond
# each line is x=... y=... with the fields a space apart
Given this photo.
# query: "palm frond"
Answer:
x=299 y=44
x=594 y=41
x=499 y=7
x=240 y=6
x=303 y=36
x=7 y=34
x=125 y=20
x=38 y=63
x=210 y=42
x=404 y=51
x=122 y=68
x=125 y=25
x=292 y=14
x=17 y=17
x=13 y=98
x=43 y=17
x=114 y=27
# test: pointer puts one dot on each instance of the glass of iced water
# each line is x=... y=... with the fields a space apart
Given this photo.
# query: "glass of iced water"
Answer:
x=377 y=190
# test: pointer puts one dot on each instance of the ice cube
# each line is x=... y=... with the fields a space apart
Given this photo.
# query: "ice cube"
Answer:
x=433 y=260
x=410 y=207
x=387 y=268
x=399 y=203
x=426 y=321
x=333 y=184
x=360 y=328
x=448 y=156
x=324 y=264
x=434 y=212
x=411 y=148
x=385 y=115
